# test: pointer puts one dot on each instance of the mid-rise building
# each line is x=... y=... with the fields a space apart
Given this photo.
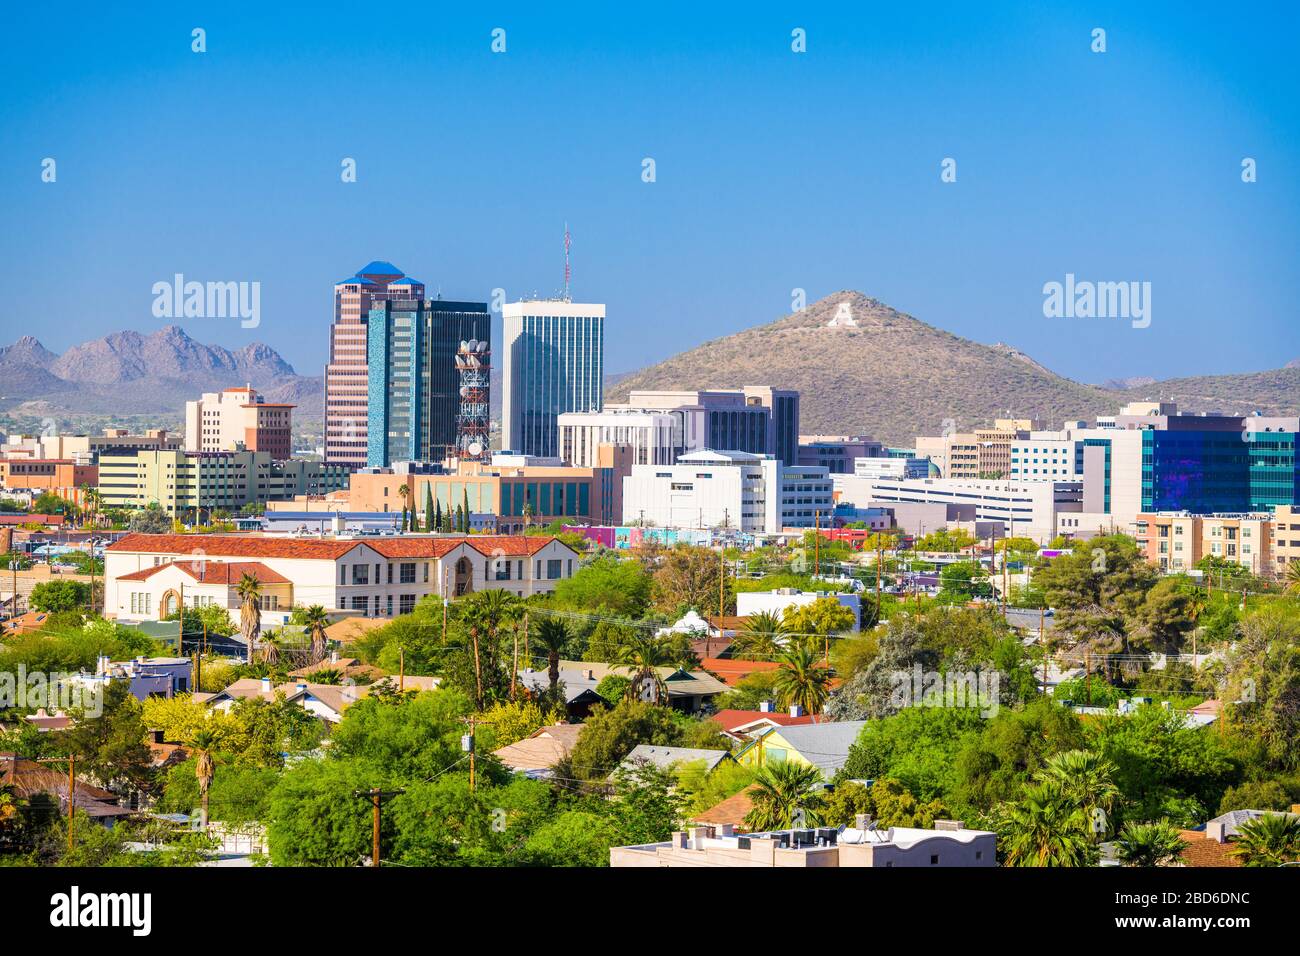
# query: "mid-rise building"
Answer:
x=413 y=379
x=239 y=419
x=652 y=437
x=729 y=490
x=890 y=467
x=837 y=453
x=148 y=576
x=507 y=494
x=1286 y=538
x=757 y=419
x=181 y=482
x=984 y=453
x=1176 y=541
x=554 y=362
x=347 y=384
x=1020 y=508
x=64 y=477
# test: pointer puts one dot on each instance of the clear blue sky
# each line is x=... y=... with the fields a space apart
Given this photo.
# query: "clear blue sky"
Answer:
x=775 y=170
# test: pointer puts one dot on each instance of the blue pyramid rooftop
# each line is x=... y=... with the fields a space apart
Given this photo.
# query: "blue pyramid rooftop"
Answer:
x=380 y=268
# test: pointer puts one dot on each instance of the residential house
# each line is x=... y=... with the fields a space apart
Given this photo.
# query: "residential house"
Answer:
x=821 y=745
x=536 y=754
x=667 y=757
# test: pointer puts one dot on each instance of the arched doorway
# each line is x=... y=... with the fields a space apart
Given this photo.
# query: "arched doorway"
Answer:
x=464 y=577
x=171 y=600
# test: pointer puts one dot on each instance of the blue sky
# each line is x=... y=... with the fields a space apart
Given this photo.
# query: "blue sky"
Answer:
x=775 y=170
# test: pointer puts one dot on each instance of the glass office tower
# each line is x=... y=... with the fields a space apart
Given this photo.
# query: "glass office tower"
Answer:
x=414 y=386
x=553 y=362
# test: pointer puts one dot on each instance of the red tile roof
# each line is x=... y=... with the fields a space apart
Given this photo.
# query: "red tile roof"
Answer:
x=330 y=549
x=213 y=572
x=731 y=671
x=731 y=810
x=738 y=718
x=1202 y=851
x=51 y=520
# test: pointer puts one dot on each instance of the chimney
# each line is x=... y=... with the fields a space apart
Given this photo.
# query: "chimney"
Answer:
x=334 y=657
x=266 y=685
x=1215 y=830
x=156 y=736
x=765 y=706
x=726 y=830
x=796 y=710
x=700 y=833
x=589 y=674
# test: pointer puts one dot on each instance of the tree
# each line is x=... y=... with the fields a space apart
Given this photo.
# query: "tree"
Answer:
x=404 y=492
x=1149 y=844
x=55 y=596
x=963 y=580
x=871 y=692
x=688 y=577
x=1269 y=840
x=552 y=635
x=111 y=746
x=814 y=623
x=249 y=590
x=783 y=793
x=609 y=735
x=1085 y=780
x=509 y=721
x=204 y=769
x=1293 y=577
x=315 y=620
x=642 y=656
x=150 y=520
x=608 y=583
x=1044 y=828
x=761 y=637
x=432 y=520
x=802 y=680
x=1011 y=747
x=484 y=614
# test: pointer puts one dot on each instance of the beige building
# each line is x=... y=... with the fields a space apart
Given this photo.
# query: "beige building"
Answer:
x=1286 y=538
x=239 y=419
x=147 y=575
x=949 y=844
x=183 y=481
x=983 y=453
x=1176 y=541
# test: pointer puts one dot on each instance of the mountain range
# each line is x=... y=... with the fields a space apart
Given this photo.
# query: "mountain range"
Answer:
x=863 y=367
x=129 y=373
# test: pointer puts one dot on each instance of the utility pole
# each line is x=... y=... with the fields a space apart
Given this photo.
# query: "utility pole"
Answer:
x=722 y=580
x=468 y=744
x=401 y=669
x=817 y=544
x=375 y=795
x=445 y=584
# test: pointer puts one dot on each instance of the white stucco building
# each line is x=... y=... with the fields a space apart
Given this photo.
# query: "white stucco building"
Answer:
x=146 y=576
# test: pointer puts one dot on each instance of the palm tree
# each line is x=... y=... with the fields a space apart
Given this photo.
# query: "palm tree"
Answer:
x=249 y=590
x=1085 y=779
x=1293 y=577
x=1044 y=829
x=780 y=791
x=316 y=620
x=762 y=638
x=485 y=613
x=553 y=636
x=204 y=768
x=404 y=492
x=1270 y=840
x=642 y=656
x=802 y=680
x=1149 y=844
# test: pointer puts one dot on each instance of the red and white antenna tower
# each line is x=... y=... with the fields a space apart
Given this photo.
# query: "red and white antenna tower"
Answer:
x=567 y=273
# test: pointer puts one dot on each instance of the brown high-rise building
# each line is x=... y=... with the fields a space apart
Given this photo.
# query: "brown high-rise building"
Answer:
x=347 y=385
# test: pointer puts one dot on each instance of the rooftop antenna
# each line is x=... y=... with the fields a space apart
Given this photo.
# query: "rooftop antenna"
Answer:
x=567 y=273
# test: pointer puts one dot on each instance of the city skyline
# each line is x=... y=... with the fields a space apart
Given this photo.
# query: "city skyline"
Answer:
x=219 y=167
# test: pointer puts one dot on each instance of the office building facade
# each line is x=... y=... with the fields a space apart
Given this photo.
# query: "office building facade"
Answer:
x=347 y=391
x=553 y=362
x=413 y=380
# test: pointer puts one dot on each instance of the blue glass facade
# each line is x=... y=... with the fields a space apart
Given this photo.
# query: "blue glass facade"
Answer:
x=556 y=364
x=1198 y=471
x=1274 y=475
x=414 y=388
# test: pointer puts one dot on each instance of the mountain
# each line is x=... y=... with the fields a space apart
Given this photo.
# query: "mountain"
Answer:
x=130 y=373
x=863 y=367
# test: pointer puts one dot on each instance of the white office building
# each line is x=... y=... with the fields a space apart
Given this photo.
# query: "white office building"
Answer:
x=653 y=436
x=554 y=362
x=1023 y=508
x=727 y=489
x=881 y=467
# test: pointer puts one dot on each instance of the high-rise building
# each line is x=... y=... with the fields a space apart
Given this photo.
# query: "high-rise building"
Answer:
x=239 y=418
x=414 y=382
x=347 y=391
x=554 y=362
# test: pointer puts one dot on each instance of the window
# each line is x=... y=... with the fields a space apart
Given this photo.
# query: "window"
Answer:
x=934 y=859
x=406 y=573
x=360 y=574
x=553 y=568
x=389 y=611
x=360 y=604
x=405 y=603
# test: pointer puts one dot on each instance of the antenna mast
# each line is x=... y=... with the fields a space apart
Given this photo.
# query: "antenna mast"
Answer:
x=567 y=273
